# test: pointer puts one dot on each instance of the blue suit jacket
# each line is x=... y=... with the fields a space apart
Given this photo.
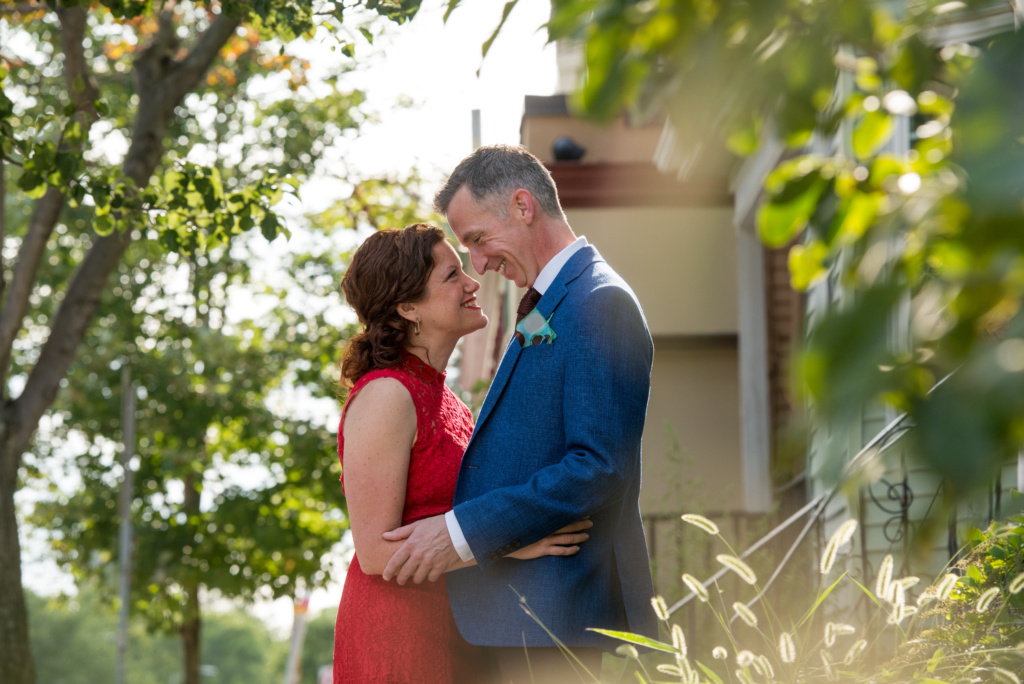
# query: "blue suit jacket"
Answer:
x=558 y=438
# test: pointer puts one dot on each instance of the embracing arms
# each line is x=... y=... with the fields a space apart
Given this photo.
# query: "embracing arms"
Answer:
x=379 y=432
x=604 y=401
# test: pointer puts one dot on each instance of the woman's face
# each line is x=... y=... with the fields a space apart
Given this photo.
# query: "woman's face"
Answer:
x=449 y=308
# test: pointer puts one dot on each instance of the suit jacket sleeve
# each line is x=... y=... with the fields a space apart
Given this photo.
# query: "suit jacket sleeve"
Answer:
x=607 y=382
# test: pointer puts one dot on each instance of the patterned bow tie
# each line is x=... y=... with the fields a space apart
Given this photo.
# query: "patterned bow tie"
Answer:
x=526 y=304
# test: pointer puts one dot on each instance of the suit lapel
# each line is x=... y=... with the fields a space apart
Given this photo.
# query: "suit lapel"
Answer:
x=552 y=297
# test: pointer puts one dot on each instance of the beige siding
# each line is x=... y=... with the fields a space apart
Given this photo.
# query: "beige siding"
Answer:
x=681 y=262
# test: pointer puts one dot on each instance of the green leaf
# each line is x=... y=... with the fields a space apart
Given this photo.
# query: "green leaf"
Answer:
x=810 y=611
x=452 y=4
x=32 y=183
x=366 y=34
x=269 y=226
x=873 y=131
x=637 y=639
x=173 y=181
x=779 y=220
x=103 y=225
x=858 y=213
x=348 y=49
x=709 y=672
x=504 y=16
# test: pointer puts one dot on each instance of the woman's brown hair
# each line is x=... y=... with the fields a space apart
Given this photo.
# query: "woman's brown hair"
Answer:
x=389 y=268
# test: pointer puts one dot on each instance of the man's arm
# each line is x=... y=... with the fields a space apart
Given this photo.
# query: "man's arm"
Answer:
x=607 y=381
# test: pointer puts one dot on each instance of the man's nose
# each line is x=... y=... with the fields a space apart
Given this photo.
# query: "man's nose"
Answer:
x=479 y=262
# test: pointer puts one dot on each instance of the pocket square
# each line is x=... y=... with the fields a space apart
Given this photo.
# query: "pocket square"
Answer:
x=534 y=329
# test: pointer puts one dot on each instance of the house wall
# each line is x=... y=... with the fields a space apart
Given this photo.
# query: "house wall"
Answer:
x=681 y=263
x=617 y=142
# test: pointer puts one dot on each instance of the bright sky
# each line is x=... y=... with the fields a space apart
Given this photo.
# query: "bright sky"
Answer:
x=434 y=64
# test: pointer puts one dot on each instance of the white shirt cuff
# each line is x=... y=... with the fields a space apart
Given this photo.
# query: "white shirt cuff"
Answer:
x=458 y=539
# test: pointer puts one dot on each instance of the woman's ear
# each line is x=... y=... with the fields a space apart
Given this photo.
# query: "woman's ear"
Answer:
x=408 y=311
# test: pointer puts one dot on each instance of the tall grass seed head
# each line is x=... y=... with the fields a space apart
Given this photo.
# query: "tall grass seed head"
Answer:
x=660 y=608
x=745 y=614
x=695 y=585
x=986 y=599
x=745 y=572
x=719 y=653
x=745 y=658
x=837 y=629
x=787 y=649
x=678 y=641
x=884 y=578
x=946 y=586
x=703 y=523
x=855 y=651
x=1005 y=675
x=828 y=666
x=764 y=667
x=1016 y=584
x=839 y=538
x=627 y=651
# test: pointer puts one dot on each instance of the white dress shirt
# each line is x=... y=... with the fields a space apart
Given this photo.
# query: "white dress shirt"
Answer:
x=546 y=276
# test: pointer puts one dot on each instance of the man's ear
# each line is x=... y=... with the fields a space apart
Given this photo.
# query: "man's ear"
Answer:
x=523 y=205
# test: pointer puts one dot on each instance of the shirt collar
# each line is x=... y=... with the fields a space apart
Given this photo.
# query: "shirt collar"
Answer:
x=551 y=269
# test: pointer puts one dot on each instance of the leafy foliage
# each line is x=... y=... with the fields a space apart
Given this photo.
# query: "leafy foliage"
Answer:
x=147 y=142
x=980 y=625
x=956 y=629
x=75 y=643
x=899 y=183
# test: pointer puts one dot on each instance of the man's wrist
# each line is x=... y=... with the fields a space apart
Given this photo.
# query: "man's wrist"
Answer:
x=458 y=539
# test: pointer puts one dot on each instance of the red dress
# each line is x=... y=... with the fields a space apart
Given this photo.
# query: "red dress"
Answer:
x=396 y=634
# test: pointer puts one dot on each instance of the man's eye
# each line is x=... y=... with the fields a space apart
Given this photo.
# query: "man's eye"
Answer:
x=476 y=240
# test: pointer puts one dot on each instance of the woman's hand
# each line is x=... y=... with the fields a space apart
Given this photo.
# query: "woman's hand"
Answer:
x=564 y=542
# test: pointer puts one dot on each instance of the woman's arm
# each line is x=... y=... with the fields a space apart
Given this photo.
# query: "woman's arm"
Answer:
x=379 y=431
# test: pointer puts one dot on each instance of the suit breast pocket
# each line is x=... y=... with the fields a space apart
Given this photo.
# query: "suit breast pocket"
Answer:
x=538 y=351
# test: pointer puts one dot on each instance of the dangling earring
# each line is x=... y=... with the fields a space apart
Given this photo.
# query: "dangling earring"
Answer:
x=416 y=327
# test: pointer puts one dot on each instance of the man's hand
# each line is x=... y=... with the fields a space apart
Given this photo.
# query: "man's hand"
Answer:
x=427 y=553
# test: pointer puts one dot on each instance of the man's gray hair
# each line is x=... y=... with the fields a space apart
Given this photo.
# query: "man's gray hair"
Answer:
x=492 y=173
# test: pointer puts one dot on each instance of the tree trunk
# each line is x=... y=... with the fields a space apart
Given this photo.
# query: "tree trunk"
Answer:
x=16 y=666
x=190 y=633
x=162 y=83
x=191 y=622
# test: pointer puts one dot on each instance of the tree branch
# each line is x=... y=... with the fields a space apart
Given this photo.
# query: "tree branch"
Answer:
x=76 y=311
x=161 y=84
x=186 y=75
x=33 y=246
x=24 y=8
x=79 y=81
x=83 y=92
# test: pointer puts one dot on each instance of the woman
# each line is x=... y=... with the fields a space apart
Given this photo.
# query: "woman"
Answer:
x=401 y=440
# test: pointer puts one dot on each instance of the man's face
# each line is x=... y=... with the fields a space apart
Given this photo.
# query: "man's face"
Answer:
x=505 y=245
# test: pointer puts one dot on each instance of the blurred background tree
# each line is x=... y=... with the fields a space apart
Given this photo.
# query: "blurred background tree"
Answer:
x=930 y=232
x=80 y=643
x=134 y=143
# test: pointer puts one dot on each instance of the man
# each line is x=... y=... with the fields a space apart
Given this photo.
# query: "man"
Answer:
x=557 y=439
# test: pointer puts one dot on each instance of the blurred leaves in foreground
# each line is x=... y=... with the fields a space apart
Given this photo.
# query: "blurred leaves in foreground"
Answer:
x=900 y=183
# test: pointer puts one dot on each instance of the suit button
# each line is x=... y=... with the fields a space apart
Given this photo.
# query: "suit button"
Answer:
x=494 y=556
x=516 y=544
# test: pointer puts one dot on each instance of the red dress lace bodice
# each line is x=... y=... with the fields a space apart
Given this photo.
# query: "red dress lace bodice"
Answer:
x=391 y=633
